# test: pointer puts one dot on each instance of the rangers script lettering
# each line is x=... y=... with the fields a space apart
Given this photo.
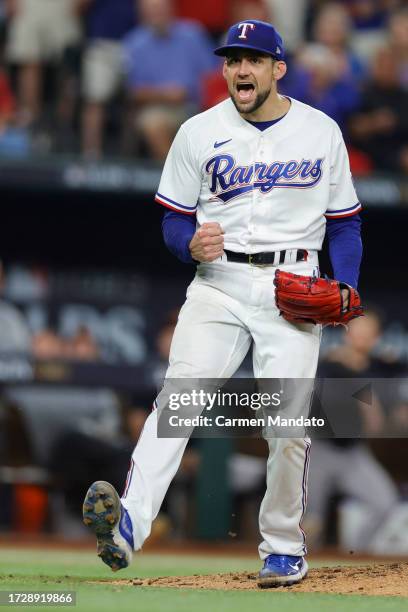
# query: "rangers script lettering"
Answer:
x=233 y=180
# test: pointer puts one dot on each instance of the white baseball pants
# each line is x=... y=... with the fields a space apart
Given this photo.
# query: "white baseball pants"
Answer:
x=229 y=305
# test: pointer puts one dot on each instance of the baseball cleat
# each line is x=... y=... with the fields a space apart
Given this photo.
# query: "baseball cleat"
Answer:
x=104 y=514
x=282 y=570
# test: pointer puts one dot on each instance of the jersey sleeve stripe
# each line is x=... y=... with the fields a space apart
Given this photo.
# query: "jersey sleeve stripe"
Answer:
x=184 y=212
x=345 y=212
x=174 y=205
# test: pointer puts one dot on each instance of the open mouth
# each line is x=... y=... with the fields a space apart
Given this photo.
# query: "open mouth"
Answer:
x=245 y=91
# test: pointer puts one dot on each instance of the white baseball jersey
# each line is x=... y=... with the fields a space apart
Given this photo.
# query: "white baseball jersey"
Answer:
x=269 y=190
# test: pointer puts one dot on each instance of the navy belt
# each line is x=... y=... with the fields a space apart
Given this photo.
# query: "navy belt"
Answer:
x=268 y=258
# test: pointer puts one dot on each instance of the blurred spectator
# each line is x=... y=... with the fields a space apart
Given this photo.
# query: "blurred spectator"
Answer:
x=166 y=60
x=346 y=466
x=215 y=89
x=212 y=14
x=241 y=10
x=107 y=22
x=47 y=345
x=163 y=340
x=361 y=164
x=13 y=140
x=15 y=441
x=246 y=473
x=289 y=17
x=7 y=102
x=317 y=78
x=370 y=14
x=165 y=336
x=333 y=28
x=380 y=128
x=369 y=20
x=398 y=37
x=15 y=336
x=81 y=347
x=398 y=421
x=39 y=32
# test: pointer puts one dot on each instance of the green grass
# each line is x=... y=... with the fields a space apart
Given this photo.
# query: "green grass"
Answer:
x=66 y=570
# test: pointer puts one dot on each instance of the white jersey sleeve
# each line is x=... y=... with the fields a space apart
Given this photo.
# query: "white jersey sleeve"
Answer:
x=180 y=182
x=343 y=200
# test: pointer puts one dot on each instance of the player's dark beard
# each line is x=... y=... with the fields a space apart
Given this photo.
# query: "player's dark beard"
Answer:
x=257 y=103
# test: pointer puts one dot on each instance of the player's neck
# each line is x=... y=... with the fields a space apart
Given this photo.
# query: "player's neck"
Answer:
x=274 y=107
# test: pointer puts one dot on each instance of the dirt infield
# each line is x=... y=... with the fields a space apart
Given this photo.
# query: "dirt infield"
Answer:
x=375 y=579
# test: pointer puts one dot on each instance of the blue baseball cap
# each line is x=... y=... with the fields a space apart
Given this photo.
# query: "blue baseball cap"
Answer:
x=256 y=35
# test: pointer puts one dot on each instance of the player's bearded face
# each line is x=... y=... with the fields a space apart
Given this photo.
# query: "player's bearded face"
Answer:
x=250 y=80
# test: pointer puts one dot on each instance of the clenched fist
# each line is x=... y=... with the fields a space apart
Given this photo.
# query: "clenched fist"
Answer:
x=207 y=244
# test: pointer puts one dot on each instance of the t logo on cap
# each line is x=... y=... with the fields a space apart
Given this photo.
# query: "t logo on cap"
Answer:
x=245 y=27
x=255 y=35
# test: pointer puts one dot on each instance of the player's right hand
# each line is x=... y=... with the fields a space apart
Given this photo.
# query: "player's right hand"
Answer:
x=207 y=244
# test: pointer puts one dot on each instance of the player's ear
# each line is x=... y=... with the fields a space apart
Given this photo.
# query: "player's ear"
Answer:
x=279 y=70
x=224 y=69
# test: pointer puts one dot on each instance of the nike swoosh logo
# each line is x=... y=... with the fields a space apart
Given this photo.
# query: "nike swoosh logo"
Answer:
x=295 y=567
x=219 y=144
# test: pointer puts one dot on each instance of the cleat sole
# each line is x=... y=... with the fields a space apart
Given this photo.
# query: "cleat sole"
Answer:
x=112 y=556
x=96 y=515
x=101 y=512
x=270 y=582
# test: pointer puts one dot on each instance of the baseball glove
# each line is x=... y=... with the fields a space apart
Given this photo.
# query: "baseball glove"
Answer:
x=310 y=299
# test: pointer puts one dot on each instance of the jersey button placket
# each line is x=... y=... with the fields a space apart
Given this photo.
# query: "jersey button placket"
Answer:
x=251 y=215
x=261 y=146
x=254 y=203
x=257 y=271
x=261 y=151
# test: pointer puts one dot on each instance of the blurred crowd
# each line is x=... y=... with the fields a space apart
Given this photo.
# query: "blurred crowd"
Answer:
x=102 y=77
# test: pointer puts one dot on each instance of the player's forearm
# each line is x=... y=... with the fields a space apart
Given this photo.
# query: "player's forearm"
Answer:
x=178 y=230
x=345 y=248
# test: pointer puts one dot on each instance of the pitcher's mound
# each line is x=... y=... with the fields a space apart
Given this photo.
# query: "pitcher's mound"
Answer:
x=376 y=579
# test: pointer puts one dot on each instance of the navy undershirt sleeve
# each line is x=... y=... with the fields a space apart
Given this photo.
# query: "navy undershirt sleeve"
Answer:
x=178 y=230
x=345 y=248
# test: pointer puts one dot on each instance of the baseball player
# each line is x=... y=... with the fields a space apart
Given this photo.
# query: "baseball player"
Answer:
x=251 y=186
